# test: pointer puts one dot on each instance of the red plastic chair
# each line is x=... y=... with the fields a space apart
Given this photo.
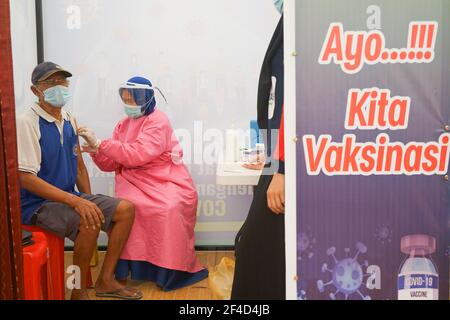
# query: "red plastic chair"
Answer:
x=56 y=258
x=37 y=271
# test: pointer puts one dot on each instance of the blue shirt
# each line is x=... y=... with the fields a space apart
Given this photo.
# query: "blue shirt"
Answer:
x=47 y=148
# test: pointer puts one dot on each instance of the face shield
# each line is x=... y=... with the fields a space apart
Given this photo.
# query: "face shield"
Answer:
x=138 y=95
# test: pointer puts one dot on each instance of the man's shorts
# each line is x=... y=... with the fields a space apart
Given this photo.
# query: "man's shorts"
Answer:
x=62 y=220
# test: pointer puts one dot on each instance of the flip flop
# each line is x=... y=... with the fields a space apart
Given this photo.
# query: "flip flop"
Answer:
x=116 y=294
x=133 y=290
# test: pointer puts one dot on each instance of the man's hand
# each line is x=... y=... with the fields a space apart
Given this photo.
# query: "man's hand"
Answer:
x=275 y=194
x=90 y=137
x=89 y=212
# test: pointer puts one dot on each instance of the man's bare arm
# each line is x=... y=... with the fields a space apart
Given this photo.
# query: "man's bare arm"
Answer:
x=88 y=211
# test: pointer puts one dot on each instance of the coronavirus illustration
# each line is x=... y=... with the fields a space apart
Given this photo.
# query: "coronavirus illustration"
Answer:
x=305 y=245
x=301 y=295
x=301 y=290
x=383 y=234
x=347 y=275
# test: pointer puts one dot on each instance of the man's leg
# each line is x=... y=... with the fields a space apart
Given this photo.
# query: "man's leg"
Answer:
x=122 y=222
x=85 y=244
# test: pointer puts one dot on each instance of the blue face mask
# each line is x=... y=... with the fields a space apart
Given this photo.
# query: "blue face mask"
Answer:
x=57 y=96
x=279 y=5
x=133 y=111
x=136 y=111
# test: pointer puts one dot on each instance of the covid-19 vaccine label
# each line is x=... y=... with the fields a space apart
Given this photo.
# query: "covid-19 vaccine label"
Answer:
x=418 y=287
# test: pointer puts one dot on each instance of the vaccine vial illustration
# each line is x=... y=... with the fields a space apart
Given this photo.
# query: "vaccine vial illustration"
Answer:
x=418 y=278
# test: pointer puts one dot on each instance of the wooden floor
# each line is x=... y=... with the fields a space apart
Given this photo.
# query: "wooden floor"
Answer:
x=198 y=291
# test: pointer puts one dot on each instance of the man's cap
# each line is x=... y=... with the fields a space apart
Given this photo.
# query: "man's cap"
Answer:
x=46 y=69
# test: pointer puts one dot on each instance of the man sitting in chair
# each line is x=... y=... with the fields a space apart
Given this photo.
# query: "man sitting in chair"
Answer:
x=50 y=165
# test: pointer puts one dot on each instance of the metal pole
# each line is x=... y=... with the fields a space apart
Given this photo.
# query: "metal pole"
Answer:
x=39 y=31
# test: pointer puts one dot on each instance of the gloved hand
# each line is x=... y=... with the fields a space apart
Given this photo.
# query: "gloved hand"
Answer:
x=86 y=148
x=88 y=134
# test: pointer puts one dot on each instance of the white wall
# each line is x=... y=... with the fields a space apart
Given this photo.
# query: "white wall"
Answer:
x=23 y=34
x=204 y=54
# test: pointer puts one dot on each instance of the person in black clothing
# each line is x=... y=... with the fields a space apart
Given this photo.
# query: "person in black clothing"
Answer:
x=260 y=245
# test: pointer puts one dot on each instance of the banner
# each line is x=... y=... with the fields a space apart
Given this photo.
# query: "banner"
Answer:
x=373 y=127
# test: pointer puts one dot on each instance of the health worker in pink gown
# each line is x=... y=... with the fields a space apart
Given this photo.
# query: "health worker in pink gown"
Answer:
x=147 y=160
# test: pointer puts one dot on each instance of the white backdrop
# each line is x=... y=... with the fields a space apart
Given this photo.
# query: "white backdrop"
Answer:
x=23 y=36
x=205 y=55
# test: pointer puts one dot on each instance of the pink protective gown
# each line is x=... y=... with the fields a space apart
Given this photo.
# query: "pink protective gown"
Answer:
x=147 y=159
